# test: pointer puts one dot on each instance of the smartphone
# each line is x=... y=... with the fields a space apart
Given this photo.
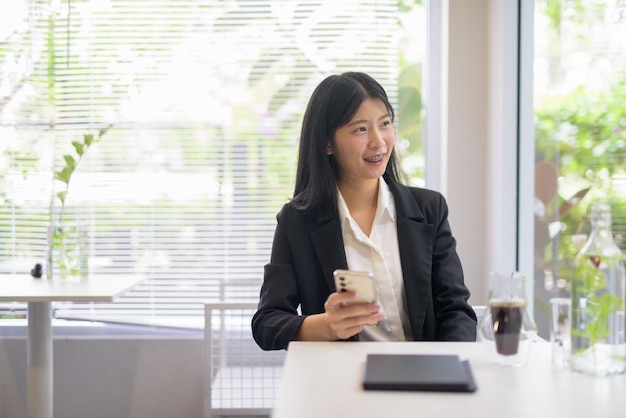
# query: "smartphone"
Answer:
x=360 y=282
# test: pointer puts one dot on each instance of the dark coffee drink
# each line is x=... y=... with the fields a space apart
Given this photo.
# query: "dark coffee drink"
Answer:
x=506 y=316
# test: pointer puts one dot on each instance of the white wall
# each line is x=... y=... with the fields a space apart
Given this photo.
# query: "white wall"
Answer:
x=481 y=126
x=111 y=377
x=467 y=137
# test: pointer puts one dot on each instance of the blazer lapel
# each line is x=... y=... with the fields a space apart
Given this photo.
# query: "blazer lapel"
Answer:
x=415 y=240
x=328 y=244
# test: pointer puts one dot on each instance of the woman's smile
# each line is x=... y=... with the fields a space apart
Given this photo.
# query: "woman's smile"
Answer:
x=375 y=159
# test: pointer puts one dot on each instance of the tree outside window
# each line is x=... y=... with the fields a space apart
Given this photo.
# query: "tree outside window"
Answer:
x=580 y=127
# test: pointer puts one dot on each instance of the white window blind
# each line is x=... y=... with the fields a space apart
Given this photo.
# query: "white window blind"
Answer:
x=204 y=100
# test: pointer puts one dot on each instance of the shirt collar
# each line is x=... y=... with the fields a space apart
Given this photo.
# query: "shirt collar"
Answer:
x=385 y=200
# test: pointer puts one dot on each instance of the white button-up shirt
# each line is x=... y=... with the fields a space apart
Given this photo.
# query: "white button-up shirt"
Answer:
x=379 y=253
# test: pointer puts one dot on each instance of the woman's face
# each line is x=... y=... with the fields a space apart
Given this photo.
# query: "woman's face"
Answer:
x=363 y=146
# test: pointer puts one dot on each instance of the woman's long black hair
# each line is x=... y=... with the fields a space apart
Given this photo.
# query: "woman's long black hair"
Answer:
x=333 y=104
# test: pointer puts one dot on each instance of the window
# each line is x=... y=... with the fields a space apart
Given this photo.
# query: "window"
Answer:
x=202 y=101
x=580 y=128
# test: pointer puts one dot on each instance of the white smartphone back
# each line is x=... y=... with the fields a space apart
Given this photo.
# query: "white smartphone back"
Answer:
x=360 y=282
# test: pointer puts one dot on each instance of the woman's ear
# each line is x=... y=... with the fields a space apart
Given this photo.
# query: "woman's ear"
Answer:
x=329 y=148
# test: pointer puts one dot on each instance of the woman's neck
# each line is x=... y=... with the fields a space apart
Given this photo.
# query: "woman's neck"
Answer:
x=361 y=194
x=362 y=201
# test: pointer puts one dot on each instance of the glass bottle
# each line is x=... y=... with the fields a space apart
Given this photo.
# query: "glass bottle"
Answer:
x=599 y=301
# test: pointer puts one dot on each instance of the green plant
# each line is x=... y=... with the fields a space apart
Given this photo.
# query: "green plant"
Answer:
x=593 y=318
x=583 y=136
x=600 y=303
x=69 y=240
x=71 y=163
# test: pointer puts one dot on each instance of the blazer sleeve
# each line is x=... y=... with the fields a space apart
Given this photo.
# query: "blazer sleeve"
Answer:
x=456 y=320
x=276 y=321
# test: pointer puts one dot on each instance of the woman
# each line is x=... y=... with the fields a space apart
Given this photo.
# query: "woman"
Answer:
x=349 y=211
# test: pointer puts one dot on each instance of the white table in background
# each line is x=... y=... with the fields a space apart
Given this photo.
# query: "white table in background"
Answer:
x=324 y=380
x=40 y=293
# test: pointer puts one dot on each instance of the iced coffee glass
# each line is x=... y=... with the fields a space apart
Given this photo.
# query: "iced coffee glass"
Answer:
x=507 y=330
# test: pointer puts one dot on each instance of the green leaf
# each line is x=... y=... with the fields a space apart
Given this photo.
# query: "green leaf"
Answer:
x=64 y=175
x=69 y=160
x=88 y=139
x=103 y=131
x=61 y=196
x=78 y=147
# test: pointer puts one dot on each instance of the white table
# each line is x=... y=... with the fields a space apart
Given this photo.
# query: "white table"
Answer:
x=40 y=293
x=324 y=380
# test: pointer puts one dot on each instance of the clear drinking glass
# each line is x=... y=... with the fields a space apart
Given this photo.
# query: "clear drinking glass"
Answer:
x=68 y=252
x=507 y=328
x=560 y=327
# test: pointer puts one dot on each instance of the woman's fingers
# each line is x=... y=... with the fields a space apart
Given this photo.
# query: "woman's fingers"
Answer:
x=338 y=299
x=345 y=319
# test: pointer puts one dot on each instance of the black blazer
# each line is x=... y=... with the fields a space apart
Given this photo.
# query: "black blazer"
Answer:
x=307 y=248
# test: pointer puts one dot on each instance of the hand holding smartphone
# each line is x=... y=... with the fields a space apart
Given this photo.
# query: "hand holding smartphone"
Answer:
x=359 y=282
